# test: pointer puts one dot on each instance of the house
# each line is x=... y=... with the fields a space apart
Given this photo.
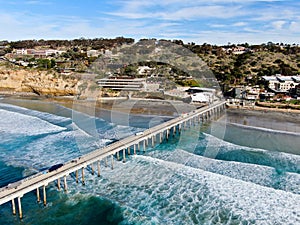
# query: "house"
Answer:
x=93 y=53
x=266 y=96
x=204 y=97
x=297 y=90
x=38 y=53
x=281 y=84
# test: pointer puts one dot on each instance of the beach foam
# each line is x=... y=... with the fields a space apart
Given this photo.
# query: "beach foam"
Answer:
x=16 y=123
x=262 y=175
x=158 y=191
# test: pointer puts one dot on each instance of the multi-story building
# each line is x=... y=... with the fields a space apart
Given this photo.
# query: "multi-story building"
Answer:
x=281 y=84
x=122 y=83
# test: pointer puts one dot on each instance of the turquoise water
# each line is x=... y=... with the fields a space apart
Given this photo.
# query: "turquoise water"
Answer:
x=215 y=173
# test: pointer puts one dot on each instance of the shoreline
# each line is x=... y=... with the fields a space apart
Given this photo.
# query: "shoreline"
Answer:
x=147 y=107
x=134 y=107
x=263 y=109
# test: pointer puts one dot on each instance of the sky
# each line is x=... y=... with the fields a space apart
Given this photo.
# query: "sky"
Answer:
x=199 y=21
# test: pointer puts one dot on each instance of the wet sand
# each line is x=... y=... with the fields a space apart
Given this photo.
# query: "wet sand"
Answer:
x=276 y=119
x=271 y=119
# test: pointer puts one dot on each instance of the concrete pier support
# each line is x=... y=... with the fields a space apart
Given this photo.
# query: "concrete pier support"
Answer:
x=105 y=161
x=38 y=195
x=160 y=137
x=92 y=168
x=144 y=145
x=134 y=149
x=152 y=140
x=174 y=131
x=13 y=206
x=44 y=195
x=112 y=161
x=128 y=150
x=82 y=176
x=118 y=155
x=139 y=146
x=124 y=156
x=146 y=142
x=76 y=176
x=98 y=167
x=20 y=208
x=65 y=184
x=58 y=184
x=167 y=134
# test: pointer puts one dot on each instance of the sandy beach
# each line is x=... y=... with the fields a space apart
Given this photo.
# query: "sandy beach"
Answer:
x=277 y=119
x=271 y=119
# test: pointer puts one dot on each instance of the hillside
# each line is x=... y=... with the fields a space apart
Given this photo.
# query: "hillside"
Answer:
x=232 y=64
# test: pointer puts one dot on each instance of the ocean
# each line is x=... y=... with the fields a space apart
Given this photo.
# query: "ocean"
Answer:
x=226 y=171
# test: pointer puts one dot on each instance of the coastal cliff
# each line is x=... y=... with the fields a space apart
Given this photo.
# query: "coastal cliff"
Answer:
x=47 y=83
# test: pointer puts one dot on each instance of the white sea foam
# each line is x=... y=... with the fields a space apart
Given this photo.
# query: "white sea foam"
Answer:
x=16 y=123
x=262 y=175
x=290 y=161
x=51 y=118
x=65 y=146
x=154 y=190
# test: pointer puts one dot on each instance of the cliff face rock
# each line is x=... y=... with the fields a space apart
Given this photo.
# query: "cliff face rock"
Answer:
x=39 y=82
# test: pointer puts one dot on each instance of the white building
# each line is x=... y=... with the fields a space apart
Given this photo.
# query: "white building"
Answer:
x=93 y=53
x=122 y=83
x=200 y=98
x=281 y=83
x=202 y=95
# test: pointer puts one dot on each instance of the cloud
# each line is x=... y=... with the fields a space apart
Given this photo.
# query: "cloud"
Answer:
x=223 y=37
x=278 y=24
x=218 y=25
x=239 y=24
x=35 y=2
x=138 y=10
x=217 y=21
x=295 y=26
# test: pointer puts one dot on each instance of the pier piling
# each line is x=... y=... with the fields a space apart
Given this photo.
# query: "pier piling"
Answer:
x=76 y=176
x=20 y=208
x=98 y=167
x=44 y=195
x=82 y=176
x=13 y=206
x=144 y=145
x=38 y=195
x=112 y=162
x=65 y=184
x=124 y=156
x=58 y=184
x=92 y=167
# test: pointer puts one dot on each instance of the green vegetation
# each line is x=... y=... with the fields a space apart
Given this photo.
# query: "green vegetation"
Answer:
x=243 y=68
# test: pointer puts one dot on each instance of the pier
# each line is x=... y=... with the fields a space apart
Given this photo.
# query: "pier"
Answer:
x=14 y=192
